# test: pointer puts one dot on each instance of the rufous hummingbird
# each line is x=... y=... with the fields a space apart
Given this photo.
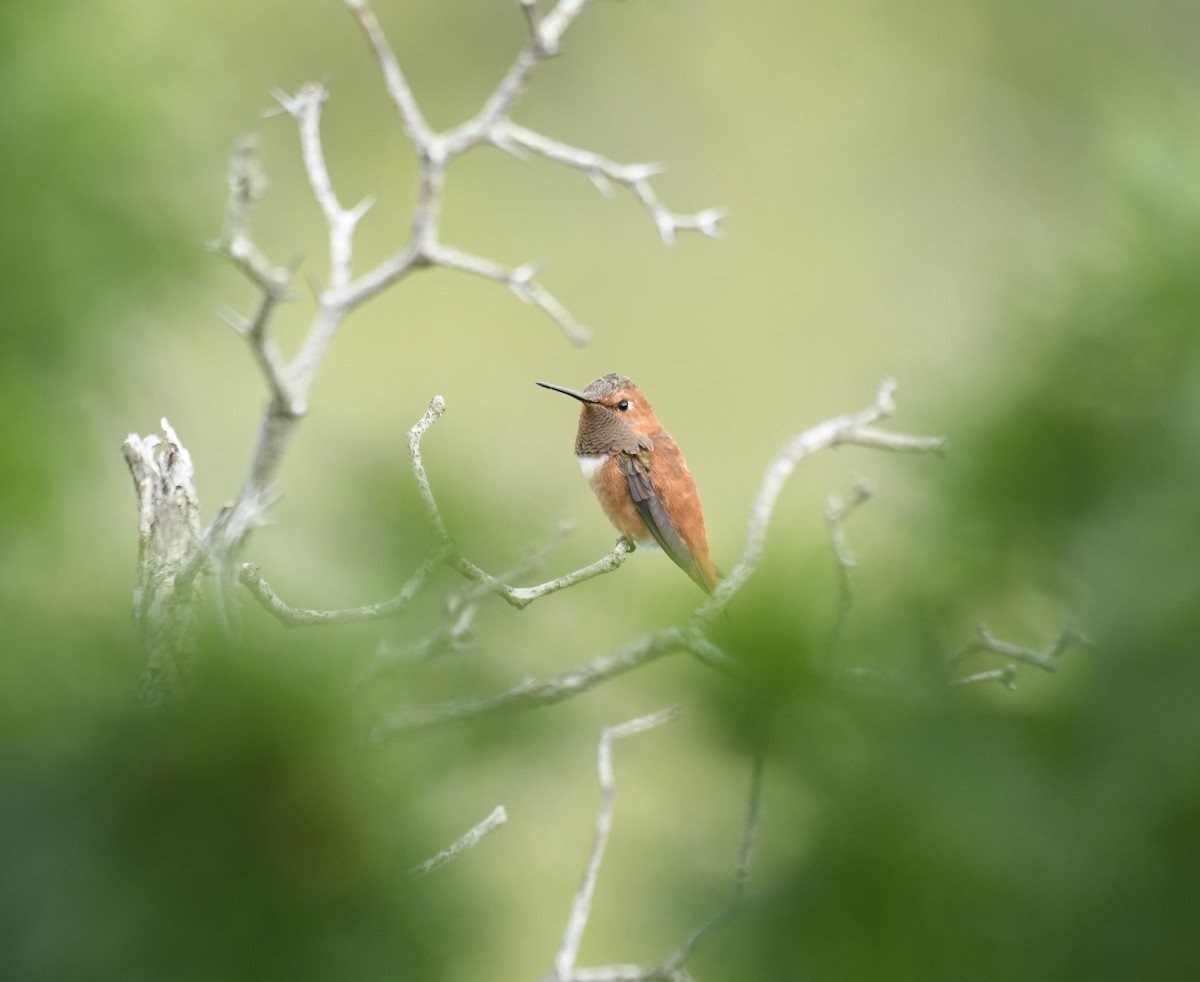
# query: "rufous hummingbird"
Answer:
x=639 y=474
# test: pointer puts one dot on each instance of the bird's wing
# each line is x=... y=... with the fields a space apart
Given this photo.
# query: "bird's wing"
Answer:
x=650 y=507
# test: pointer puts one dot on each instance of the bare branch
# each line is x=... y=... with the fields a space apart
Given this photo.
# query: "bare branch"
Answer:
x=1006 y=676
x=984 y=640
x=858 y=429
x=289 y=384
x=1047 y=659
x=836 y=513
x=750 y=832
x=471 y=838
x=453 y=633
x=397 y=85
x=622 y=973
x=696 y=643
x=168 y=505
x=521 y=597
x=673 y=966
x=252 y=578
x=374 y=282
x=533 y=16
x=168 y=532
x=868 y=436
x=513 y=138
x=437 y=406
x=554 y=24
x=545 y=37
x=435 y=151
x=564 y=962
x=532 y=693
x=519 y=280
x=305 y=107
x=247 y=185
x=270 y=362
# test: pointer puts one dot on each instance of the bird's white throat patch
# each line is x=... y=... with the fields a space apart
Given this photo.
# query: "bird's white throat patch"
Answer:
x=591 y=463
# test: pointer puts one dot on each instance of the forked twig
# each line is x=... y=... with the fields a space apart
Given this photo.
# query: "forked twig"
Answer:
x=671 y=969
x=984 y=640
x=568 y=950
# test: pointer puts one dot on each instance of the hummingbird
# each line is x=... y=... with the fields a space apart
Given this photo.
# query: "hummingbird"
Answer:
x=639 y=475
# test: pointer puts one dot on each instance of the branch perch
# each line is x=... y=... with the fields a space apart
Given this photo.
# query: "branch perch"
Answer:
x=859 y=428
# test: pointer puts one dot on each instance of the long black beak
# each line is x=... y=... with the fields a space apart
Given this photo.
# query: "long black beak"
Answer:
x=565 y=391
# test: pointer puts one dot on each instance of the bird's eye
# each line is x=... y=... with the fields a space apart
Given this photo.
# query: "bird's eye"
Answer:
x=623 y=405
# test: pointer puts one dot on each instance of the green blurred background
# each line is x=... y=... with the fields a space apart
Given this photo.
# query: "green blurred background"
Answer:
x=996 y=203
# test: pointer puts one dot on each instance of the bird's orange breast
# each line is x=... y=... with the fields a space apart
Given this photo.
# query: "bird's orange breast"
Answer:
x=608 y=481
x=673 y=485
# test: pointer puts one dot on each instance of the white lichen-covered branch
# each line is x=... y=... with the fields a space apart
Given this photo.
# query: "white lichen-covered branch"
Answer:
x=168 y=532
x=672 y=968
x=468 y=840
x=492 y=125
x=581 y=906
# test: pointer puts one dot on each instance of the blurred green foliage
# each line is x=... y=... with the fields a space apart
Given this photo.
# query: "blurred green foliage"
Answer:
x=242 y=834
x=995 y=201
